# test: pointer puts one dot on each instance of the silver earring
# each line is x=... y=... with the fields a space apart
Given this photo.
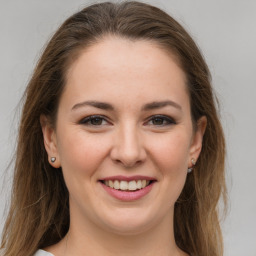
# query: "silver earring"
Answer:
x=193 y=161
x=53 y=159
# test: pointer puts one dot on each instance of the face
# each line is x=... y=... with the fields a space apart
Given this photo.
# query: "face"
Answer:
x=124 y=136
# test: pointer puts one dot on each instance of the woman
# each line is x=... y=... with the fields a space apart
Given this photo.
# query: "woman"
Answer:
x=120 y=148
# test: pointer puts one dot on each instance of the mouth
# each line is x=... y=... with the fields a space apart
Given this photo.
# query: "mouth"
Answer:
x=123 y=185
x=128 y=188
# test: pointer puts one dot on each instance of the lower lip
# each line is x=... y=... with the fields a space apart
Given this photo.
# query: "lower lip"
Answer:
x=128 y=195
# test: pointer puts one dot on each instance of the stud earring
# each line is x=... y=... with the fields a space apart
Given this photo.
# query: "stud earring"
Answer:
x=190 y=170
x=53 y=159
x=193 y=161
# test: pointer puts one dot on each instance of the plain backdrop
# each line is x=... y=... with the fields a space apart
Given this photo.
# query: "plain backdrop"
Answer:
x=225 y=30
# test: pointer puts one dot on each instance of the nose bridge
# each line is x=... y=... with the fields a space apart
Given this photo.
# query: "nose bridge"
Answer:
x=128 y=147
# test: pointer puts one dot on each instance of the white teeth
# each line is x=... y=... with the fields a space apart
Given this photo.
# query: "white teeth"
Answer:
x=110 y=183
x=116 y=184
x=139 y=185
x=125 y=185
x=132 y=185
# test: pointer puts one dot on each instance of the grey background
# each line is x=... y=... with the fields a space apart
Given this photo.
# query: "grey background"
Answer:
x=225 y=31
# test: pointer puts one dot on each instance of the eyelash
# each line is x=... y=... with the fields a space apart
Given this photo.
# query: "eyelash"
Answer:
x=165 y=119
x=88 y=120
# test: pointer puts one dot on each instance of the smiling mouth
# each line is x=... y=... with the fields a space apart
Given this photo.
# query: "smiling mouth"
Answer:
x=123 y=185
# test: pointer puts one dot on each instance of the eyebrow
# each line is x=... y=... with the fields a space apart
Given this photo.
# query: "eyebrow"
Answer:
x=96 y=104
x=160 y=104
x=146 y=107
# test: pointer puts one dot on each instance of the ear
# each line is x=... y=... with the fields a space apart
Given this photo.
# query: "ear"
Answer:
x=50 y=141
x=197 y=140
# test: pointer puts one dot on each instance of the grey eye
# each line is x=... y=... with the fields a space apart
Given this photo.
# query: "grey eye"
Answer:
x=161 y=120
x=158 y=121
x=93 y=121
x=96 y=121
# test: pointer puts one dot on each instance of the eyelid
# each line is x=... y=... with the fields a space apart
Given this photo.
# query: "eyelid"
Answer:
x=167 y=119
x=170 y=120
x=87 y=119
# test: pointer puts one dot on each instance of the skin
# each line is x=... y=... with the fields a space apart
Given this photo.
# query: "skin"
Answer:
x=128 y=141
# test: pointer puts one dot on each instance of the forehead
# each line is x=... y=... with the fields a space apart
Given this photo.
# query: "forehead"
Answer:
x=111 y=51
x=117 y=67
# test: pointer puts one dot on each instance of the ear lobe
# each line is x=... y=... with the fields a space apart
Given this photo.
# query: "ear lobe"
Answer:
x=50 y=141
x=197 y=140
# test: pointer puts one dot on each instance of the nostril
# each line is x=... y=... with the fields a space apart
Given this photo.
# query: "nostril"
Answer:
x=130 y=164
x=128 y=151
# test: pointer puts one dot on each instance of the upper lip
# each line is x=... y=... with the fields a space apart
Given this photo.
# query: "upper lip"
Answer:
x=129 y=178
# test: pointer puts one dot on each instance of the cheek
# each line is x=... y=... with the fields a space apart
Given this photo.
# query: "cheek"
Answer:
x=81 y=153
x=171 y=152
x=171 y=158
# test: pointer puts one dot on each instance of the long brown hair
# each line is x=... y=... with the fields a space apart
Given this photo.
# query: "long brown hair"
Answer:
x=39 y=211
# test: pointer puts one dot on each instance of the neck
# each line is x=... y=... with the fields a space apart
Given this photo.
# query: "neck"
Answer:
x=117 y=244
x=89 y=239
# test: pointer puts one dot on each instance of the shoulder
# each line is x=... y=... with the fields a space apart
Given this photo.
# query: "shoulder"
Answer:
x=42 y=253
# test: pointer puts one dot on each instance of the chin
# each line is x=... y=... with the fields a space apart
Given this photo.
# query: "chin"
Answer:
x=130 y=222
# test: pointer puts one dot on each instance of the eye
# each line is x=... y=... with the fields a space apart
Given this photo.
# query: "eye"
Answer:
x=160 y=120
x=94 y=120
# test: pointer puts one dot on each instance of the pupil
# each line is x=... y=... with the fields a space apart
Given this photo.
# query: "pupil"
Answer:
x=158 y=121
x=96 y=121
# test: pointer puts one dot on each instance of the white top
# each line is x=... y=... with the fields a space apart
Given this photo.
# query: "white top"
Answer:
x=42 y=253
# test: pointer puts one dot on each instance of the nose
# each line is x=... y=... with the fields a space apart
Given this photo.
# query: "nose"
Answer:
x=128 y=149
